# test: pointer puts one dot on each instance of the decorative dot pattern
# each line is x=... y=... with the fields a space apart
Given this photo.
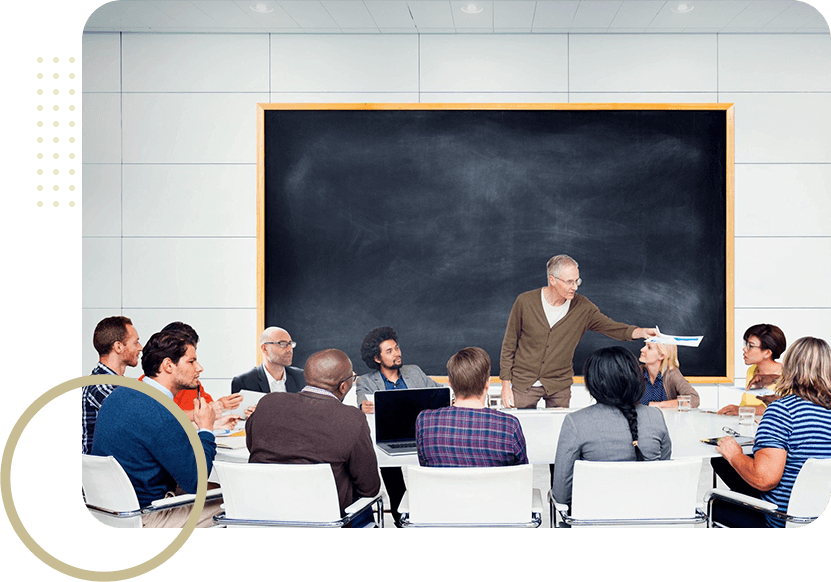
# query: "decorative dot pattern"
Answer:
x=57 y=124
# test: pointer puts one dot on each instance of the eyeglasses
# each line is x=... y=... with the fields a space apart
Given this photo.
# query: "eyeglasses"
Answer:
x=353 y=376
x=571 y=283
x=730 y=431
x=750 y=346
x=281 y=345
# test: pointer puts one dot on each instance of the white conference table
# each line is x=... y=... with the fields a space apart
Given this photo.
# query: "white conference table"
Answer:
x=541 y=428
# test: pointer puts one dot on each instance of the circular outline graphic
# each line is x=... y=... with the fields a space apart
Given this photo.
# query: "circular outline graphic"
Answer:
x=95 y=575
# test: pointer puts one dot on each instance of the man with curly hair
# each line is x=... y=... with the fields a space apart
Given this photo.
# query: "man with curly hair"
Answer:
x=381 y=353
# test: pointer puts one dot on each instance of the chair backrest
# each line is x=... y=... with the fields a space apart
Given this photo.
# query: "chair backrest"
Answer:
x=811 y=490
x=273 y=492
x=106 y=485
x=446 y=495
x=635 y=490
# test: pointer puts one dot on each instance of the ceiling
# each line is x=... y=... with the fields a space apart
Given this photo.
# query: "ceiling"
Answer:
x=447 y=16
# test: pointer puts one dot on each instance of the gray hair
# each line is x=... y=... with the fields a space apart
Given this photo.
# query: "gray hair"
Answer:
x=268 y=332
x=555 y=265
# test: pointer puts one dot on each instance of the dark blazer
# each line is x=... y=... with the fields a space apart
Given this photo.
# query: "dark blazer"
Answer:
x=256 y=381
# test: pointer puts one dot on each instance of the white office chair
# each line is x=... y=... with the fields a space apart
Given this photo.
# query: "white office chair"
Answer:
x=809 y=496
x=274 y=495
x=110 y=496
x=470 y=497
x=632 y=493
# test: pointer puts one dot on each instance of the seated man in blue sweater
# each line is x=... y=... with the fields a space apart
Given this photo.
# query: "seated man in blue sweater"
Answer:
x=148 y=441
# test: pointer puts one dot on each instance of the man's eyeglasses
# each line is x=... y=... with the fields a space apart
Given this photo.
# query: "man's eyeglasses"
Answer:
x=353 y=376
x=571 y=283
x=282 y=345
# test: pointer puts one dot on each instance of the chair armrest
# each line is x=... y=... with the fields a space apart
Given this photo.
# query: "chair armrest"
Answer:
x=362 y=504
x=740 y=499
x=536 y=501
x=560 y=507
x=182 y=500
x=404 y=506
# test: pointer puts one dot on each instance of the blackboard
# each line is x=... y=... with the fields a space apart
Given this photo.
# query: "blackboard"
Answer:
x=432 y=219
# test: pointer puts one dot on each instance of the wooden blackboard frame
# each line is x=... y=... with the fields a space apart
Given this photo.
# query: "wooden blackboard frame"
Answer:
x=728 y=109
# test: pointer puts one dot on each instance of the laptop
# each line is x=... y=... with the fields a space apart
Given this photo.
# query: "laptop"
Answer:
x=396 y=412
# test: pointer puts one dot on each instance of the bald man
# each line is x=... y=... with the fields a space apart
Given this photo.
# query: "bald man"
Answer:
x=276 y=373
x=314 y=426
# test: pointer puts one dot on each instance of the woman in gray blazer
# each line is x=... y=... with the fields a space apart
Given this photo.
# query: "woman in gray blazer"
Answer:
x=617 y=427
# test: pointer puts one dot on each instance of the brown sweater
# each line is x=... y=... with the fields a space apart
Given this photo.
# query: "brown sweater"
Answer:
x=532 y=351
x=315 y=428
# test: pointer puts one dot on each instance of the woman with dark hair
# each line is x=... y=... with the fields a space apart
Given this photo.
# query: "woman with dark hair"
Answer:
x=763 y=344
x=617 y=428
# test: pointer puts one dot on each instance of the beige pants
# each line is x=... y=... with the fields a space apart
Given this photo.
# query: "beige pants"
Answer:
x=529 y=398
x=178 y=516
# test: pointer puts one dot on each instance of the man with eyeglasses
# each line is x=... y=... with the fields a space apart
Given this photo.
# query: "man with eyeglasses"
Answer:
x=275 y=374
x=543 y=331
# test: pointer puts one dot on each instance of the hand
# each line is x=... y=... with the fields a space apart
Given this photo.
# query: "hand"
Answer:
x=226 y=422
x=368 y=407
x=645 y=332
x=729 y=410
x=507 y=394
x=203 y=414
x=250 y=410
x=231 y=402
x=728 y=448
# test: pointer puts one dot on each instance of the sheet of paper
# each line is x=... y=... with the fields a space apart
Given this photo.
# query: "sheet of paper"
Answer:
x=230 y=442
x=691 y=341
x=249 y=398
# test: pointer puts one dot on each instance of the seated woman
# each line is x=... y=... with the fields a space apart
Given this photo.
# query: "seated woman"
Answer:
x=616 y=428
x=763 y=344
x=469 y=434
x=794 y=428
x=664 y=381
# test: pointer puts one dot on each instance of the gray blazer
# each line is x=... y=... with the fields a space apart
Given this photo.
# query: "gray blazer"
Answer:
x=372 y=382
x=600 y=433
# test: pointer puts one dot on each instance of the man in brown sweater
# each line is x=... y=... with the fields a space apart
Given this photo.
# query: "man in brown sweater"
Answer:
x=313 y=426
x=543 y=331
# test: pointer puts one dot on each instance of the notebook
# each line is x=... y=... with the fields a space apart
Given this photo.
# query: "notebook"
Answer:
x=396 y=412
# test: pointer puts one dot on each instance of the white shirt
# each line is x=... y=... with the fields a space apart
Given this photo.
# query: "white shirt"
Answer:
x=553 y=314
x=275 y=385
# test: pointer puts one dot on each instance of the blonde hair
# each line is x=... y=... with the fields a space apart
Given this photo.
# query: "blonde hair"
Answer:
x=806 y=371
x=670 y=353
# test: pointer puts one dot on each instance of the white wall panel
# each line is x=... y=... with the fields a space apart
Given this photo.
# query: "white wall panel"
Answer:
x=783 y=200
x=576 y=97
x=190 y=200
x=188 y=128
x=344 y=97
x=101 y=203
x=769 y=62
x=189 y=272
x=495 y=97
x=195 y=62
x=101 y=63
x=101 y=286
x=516 y=63
x=642 y=63
x=782 y=127
x=344 y=63
x=101 y=123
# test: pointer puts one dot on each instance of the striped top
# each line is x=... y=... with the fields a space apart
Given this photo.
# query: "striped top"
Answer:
x=801 y=428
x=469 y=437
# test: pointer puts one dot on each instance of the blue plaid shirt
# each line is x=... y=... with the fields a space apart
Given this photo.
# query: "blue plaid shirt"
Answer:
x=469 y=437
x=91 y=401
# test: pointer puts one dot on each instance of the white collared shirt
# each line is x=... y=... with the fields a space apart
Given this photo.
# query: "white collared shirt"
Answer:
x=275 y=385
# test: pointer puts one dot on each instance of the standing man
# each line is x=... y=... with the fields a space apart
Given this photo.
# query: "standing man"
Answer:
x=315 y=426
x=117 y=343
x=381 y=353
x=543 y=331
x=148 y=442
x=276 y=373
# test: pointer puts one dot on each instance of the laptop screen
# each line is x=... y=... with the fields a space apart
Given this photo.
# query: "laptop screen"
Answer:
x=396 y=411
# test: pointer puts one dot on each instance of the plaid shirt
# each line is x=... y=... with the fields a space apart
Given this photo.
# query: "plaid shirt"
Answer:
x=91 y=401
x=467 y=437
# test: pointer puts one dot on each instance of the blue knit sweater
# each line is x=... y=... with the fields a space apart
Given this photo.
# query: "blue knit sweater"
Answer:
x=149 y=443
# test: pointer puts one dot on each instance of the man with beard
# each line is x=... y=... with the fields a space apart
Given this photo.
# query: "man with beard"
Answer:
x=148 y=441
x=380 y=351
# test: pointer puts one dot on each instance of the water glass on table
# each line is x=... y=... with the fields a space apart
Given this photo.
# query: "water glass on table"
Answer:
x=747 y=415
x=684 y=403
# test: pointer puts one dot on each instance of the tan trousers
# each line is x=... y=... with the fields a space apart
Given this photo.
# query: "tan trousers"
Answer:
x=178 y=516
x=529 y=398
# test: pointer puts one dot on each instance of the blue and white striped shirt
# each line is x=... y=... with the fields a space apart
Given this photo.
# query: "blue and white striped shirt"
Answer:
x=803 y=430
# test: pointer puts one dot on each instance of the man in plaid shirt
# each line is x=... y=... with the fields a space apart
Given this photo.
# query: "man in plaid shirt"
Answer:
x=117 y=343
x=469 y=434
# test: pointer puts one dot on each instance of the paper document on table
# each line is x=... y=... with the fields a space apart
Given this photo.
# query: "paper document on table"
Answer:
x=678 y=340
x=249 y=398
x=230 y=442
